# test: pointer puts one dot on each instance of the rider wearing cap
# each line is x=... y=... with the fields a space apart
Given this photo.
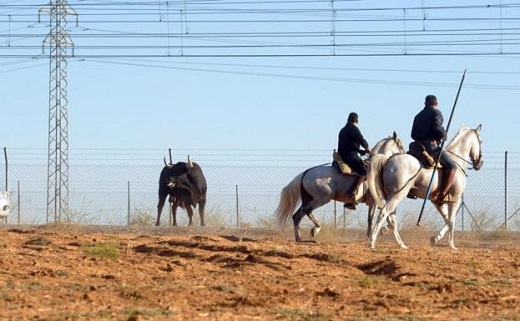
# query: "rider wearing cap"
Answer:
x=350 y=140
x=428 y=130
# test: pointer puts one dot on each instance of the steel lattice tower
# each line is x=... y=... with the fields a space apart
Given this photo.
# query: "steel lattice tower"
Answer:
x=59 y=42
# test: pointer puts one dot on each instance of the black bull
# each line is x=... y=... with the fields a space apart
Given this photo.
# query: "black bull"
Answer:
x=186 y=185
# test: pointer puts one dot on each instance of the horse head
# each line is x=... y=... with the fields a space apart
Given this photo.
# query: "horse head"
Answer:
x=389 y=146
x=399 y=143
x=476 y=150
x=467 y=143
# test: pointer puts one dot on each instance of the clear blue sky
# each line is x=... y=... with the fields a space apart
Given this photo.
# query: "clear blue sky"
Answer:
x=286 y=101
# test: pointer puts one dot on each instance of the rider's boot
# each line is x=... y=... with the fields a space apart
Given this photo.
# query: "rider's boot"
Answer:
x=449 y=177
x=352 y=193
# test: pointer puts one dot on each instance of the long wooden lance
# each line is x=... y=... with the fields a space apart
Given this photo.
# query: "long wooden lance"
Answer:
x=441 y=148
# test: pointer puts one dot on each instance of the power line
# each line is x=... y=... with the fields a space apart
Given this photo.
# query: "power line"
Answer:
x=302 y=34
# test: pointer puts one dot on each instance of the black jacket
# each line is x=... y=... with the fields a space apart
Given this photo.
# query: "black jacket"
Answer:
x=350 y=140
x=427 y=125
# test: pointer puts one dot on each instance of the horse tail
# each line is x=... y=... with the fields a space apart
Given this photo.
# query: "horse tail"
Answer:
x=374 y=178
x=289 y=199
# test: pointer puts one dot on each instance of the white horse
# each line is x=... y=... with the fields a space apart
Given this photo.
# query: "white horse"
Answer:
x=393 y=178
x=319 y=185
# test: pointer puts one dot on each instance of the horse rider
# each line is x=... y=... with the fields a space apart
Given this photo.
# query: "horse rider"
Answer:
x=350 y=140
x=428 y=130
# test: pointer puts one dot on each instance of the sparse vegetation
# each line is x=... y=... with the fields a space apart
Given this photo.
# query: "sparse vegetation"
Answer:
x=5 y=296
x=483 y=221
x=102 y=250
x=371 y=281
x=142 y=218
x=215 y=217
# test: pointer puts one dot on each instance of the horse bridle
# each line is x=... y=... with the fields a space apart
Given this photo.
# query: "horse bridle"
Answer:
x=477 y=164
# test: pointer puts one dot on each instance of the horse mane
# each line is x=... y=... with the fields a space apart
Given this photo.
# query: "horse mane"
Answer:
x=381 y=145
x=463 y=129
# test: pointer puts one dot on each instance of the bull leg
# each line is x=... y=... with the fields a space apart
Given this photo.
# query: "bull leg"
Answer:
x=174 y=214
x=160 y=205
x=189 y=209
x=202 y=205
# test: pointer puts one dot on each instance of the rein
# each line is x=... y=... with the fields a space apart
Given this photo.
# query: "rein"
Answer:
x=471 y=163
x=463 y=159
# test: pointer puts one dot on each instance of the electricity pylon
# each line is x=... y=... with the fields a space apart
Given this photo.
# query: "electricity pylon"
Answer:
x=59 y=42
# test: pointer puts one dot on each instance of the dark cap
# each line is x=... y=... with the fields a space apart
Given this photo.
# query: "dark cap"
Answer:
x=352 y=117
x=430 y=100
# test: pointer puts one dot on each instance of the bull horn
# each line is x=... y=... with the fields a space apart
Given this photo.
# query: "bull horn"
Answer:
x=190 y=164
x=166 y=164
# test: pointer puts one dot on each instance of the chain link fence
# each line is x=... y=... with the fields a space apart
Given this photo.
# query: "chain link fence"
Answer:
x=241 y=192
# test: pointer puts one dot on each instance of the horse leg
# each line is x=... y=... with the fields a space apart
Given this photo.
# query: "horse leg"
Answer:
x=392 y=222
x=434 y=240
x=297 y=218
x=375 y=231
x=317 y=227
x=388 y=209
x=452 y=210
x=448 y=213
x=371 y=212
x=390 y=225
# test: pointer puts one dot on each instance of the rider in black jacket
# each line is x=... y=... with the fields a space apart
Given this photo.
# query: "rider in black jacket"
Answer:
x=428 y=130
x=350 y=141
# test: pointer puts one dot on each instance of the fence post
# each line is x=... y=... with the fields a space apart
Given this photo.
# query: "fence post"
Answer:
x=236 y=197
x=505 y=191
x=18 y=201
x=128 y=189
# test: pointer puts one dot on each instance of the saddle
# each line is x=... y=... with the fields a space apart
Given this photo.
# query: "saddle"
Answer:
x=340 y=165
x=418 y=151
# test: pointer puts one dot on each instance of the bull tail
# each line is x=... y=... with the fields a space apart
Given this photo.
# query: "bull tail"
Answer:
x=290 y=197
x=374 y=178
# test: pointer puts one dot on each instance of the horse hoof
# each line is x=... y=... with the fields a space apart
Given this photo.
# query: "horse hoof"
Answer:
x=433 y=241
x=315 y=231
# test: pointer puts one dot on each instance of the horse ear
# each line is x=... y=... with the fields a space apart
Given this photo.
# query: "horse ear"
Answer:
x=479 y=127
x=395 y=135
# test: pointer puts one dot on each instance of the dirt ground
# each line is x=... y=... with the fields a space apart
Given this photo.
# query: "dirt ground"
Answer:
x=147 y=273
